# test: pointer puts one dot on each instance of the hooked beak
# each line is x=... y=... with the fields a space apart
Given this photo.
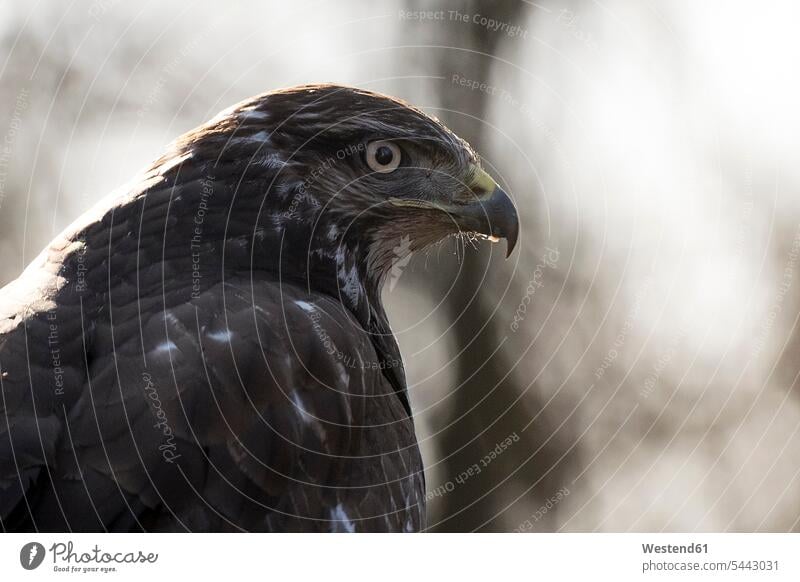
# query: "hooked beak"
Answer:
x=490 y=211
x=486 y=210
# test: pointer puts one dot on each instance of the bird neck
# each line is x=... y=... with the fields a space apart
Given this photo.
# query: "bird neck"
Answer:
x=346 y=269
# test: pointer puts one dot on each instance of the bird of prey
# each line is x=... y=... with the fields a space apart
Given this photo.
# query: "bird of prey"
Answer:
x=206 y=349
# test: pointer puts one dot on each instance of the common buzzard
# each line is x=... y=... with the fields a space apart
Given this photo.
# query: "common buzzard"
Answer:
x=206 y=349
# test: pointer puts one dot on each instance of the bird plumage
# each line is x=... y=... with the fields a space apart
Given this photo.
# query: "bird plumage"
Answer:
x=207 y=349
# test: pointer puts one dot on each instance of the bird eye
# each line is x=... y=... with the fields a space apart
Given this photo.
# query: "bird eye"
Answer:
x=383 y=156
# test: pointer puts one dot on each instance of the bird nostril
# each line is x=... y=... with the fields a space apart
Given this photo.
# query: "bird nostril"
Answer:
x=480 y=192
x=482 y=185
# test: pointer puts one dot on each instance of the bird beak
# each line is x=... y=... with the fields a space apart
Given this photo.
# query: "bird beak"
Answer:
x=490 y=212
x=486 y=209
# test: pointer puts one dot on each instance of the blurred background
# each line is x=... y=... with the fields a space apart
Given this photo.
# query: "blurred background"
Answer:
x=634 y=365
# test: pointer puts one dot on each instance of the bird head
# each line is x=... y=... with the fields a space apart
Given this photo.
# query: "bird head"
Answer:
x=363 y=171
x=379 y=164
